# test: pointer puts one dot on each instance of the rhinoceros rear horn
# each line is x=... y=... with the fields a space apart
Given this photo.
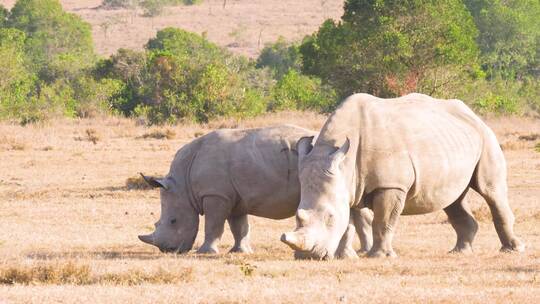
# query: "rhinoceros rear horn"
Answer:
x=154 y=182
x=148 y=239
x=304 y=145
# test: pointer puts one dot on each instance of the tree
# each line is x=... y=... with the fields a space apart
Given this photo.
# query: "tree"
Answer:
x=16 y=82
x=4 y=13
x=280 y=57
x=509 y=37
x=57 y=42
x=390 y=47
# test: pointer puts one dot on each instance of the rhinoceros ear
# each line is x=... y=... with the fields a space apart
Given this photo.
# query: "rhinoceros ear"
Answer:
x=338 y=156
x=154 y=182
x=304 y=146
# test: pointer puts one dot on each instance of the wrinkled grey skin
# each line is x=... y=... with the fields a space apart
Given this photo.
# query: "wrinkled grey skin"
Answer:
x=228 y=174
x=409 y=155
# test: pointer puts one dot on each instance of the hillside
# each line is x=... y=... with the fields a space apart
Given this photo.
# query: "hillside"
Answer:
x=243 y=26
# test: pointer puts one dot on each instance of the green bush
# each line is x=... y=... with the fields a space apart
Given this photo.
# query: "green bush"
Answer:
x=182 y=76
x=190 y=2
x=501 y=96
x=299 y=92
x=152 y=8
x=280 y=57
x=128 y=67
x=120 y=3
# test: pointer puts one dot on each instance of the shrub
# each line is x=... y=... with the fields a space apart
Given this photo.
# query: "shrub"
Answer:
x=152 y=8
x=120 y=3
x=500 y=96
x=183 y=76
x=280 y=57
x=299 y=92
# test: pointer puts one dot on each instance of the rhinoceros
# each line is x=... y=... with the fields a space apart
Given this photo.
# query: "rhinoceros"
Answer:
x=228 y=174
x=408 y=155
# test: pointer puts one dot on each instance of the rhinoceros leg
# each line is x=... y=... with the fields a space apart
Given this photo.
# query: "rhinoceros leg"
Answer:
x=363 y=219
x=464 y=224
x=503 y=218
x=216 y=211
x=387 y=206
x=489 y=181
x=345 y=248
x=240 y=231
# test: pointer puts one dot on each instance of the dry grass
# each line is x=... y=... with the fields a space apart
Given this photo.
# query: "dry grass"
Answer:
x=90 y=135
x=482 y=214
x=137 y=183
x=70 y=224
x=68 y=273
x=159 y=134
x=71 y=273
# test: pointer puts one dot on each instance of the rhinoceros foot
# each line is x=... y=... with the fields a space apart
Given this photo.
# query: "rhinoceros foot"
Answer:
x=514 y=246
x=347 y=253
x=381 y=254
x=465 y=249
x=207 y=250
x=241 y=249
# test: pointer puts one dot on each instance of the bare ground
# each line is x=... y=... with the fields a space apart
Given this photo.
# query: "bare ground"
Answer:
x=69 y=229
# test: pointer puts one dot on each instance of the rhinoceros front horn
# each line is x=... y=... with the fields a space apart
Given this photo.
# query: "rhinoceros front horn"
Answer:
x=148 y=239
x=293 y=240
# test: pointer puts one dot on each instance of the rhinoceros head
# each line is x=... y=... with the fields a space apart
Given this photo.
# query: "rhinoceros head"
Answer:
x=323 y=213
x=179 y=222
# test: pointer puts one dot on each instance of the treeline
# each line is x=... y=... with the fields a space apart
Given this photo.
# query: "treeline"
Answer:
x=486 y=52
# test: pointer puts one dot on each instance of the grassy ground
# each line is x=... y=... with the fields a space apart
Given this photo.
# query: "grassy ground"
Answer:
x=69 y=229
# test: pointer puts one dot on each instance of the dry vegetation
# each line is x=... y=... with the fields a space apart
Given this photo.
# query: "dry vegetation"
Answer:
x=71 y=211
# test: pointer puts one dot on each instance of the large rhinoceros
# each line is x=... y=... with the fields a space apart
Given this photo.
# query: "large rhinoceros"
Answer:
x=228 y=174
x=408 y=155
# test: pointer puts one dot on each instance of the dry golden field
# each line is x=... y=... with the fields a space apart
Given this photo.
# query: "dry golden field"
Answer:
x=69 y=229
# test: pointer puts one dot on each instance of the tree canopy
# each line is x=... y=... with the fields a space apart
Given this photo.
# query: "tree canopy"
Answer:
x=389 y=48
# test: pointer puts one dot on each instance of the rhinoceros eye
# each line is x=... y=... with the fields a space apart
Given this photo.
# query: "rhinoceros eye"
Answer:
x=173 y=221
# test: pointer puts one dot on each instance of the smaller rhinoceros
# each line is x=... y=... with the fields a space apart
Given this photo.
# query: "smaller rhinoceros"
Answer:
x=228 y=174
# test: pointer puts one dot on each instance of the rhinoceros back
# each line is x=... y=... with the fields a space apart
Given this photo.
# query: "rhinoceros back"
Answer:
x=255 y=168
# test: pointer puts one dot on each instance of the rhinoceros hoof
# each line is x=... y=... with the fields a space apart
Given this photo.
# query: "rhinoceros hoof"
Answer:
x=381 y=254
x=362 y=252
x=207 y=250
x=515 y=246
x=348 y=253
x=461 y=250
x=241 y=249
